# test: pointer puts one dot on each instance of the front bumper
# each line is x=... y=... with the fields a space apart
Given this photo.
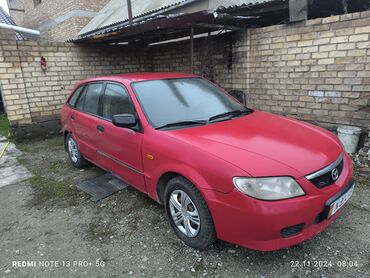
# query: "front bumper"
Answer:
x=258 y=225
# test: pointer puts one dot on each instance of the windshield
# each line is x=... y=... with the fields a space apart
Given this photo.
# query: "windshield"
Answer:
x=179 y=100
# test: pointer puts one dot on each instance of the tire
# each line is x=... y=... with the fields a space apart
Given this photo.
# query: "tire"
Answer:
x=196 y=236
x=74 y=153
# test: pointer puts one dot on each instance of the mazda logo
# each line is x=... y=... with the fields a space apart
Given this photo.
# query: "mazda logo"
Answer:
x=334 y=174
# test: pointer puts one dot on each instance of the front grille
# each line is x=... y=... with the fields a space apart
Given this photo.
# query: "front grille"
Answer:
x=291 y=231
x=327 y=179
x=327 y=175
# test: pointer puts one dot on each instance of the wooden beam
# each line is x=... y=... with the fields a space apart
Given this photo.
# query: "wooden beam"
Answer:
x=185 y=21
x=218 y=26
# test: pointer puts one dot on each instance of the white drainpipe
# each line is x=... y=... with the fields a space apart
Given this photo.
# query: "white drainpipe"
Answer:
x=20 y=29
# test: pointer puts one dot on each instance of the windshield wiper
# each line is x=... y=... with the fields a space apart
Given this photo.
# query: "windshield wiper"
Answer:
x=182 y=123
x=229 y=115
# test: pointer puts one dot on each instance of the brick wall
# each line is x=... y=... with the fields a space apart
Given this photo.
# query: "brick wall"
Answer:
x=66 y=30
x=52 y=16
x=316 y=70
x=31 y=95
x=211 y=58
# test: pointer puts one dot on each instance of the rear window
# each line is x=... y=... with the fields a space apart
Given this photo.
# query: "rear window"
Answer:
x=73 y=99
x=89 y=99
x=81 y=100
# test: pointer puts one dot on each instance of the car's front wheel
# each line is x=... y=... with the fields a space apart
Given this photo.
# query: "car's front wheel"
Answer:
x=74 y=153
x=188 y=214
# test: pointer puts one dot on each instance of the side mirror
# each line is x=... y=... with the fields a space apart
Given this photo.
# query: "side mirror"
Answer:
x=124 y=120
x=238 y=95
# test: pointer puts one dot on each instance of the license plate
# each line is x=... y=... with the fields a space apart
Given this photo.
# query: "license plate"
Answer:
x=337 y=204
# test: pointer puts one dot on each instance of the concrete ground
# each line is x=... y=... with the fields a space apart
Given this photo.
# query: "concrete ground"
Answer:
x=10 y=170
x=49 y=229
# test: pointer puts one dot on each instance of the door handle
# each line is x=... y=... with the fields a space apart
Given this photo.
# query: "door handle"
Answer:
x=100 y=128
x=72 y=117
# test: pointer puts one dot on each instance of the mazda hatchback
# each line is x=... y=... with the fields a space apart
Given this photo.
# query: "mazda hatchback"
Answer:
x=222 y=170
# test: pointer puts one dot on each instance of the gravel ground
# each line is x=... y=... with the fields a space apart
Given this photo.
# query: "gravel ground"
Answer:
x=59 y=232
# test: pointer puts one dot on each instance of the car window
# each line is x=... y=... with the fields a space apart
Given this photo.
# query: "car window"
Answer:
x=92 y=96
x=116 y=101
x=81 y=100
x=73 y=99
x=184 y=99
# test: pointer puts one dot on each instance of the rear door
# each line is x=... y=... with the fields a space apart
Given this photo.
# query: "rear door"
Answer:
x=120 y=148
x=84 y=119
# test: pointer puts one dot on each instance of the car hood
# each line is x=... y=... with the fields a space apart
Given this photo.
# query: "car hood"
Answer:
x=264 y=144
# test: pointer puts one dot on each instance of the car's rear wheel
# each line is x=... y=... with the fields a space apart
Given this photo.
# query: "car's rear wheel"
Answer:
x=188 y=214
x=74 y=153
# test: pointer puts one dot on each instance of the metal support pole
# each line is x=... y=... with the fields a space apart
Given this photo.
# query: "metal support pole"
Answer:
x=192 y=49
x=129 y=8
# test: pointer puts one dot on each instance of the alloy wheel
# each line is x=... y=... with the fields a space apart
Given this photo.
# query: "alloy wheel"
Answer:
x=184 y=213
x=72 y=149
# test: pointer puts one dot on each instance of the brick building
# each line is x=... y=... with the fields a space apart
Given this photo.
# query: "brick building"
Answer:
x=315 y=70
x=57 y=20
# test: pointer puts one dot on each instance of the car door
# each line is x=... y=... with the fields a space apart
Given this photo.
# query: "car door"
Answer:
x=84 y=119
x=120 y=148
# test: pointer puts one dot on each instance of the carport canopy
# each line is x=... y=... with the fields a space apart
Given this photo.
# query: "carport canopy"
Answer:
x=126 y=21
x=166 y=20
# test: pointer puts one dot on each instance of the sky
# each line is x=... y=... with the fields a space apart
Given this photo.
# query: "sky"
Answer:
x=4 y=5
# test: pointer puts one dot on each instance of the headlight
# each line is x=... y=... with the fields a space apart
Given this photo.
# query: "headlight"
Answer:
x=274 y=188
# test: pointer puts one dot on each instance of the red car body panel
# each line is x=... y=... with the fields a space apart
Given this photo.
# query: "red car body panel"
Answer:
x=266 y=137
x=268 y=217
x=116 y=141
x=87 y=139
x=210 y=156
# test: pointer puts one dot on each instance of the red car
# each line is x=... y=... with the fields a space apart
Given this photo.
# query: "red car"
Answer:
x=222 y=171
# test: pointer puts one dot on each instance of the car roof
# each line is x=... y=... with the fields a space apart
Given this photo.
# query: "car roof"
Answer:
x=140 y=76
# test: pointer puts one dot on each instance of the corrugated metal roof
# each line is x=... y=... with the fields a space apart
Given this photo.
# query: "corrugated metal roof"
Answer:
x=116 y=11
x=5 y=18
